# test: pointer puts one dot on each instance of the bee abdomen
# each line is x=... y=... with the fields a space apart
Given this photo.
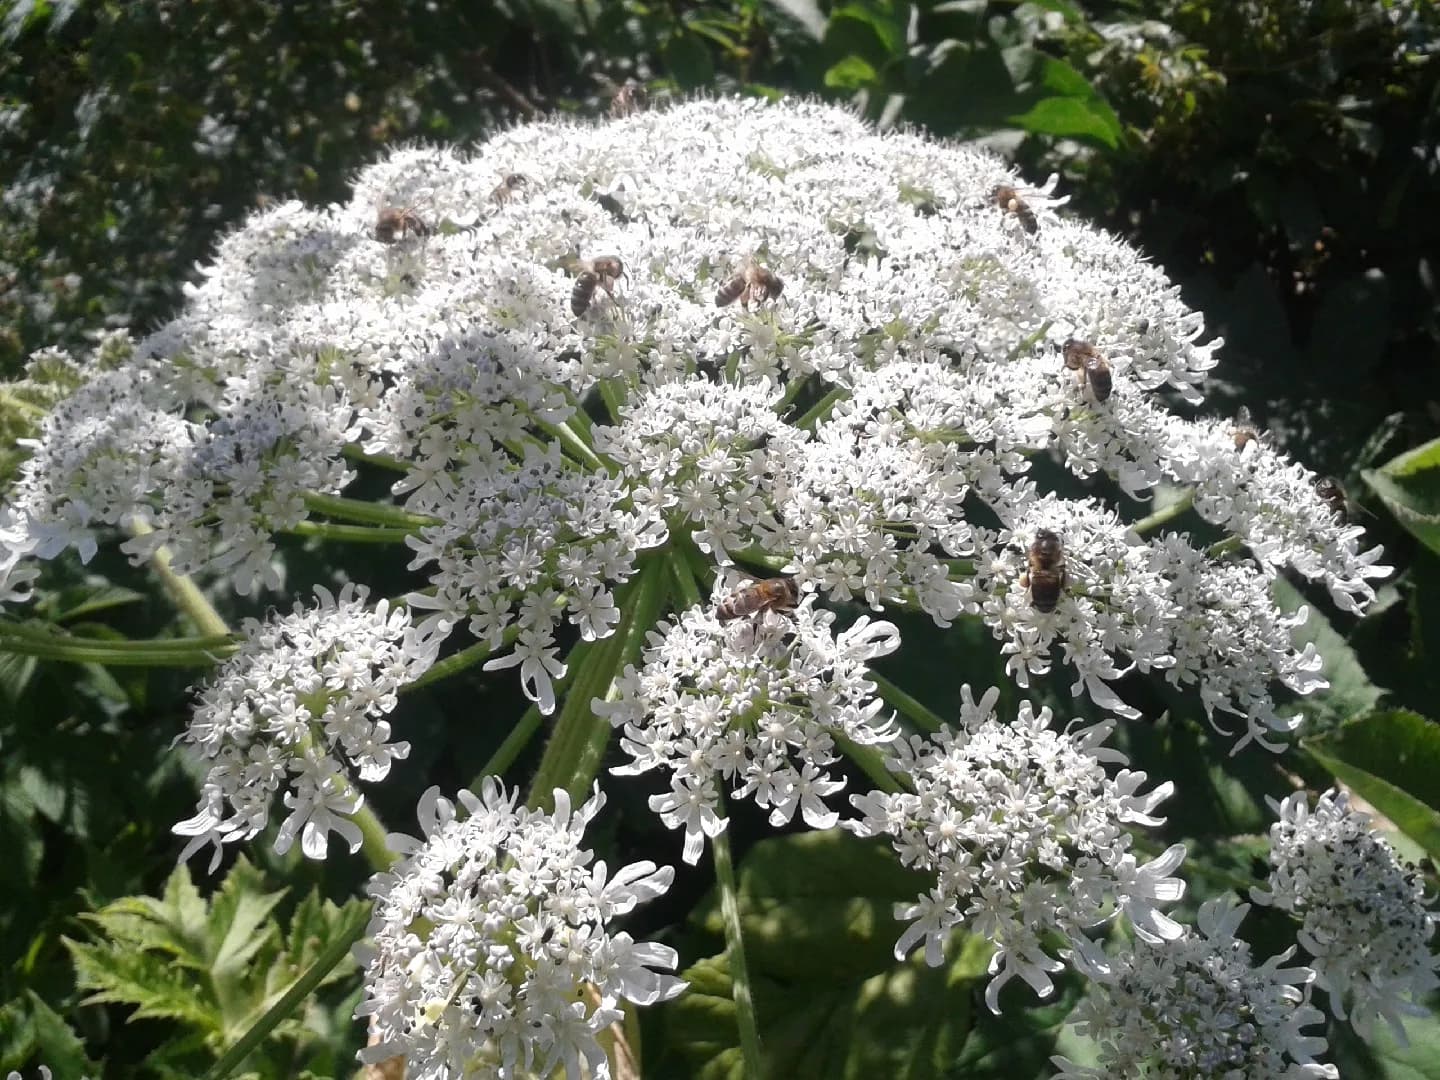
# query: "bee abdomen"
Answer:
x=730 y=291
x=583 y=291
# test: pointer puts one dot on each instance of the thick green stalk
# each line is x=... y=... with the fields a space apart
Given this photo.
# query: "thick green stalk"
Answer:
x=1166 y=514
x=821 y=408
x=871 y=760
x=383 y=461
x=735 y=948
x=351 y=534
x=505 y=755
x=572 y=756
x=184 y=592
x=198 y=652
x=466 y=658
x=365 y=512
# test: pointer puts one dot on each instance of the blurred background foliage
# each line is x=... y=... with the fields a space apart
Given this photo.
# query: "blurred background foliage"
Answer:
x=1280 y=158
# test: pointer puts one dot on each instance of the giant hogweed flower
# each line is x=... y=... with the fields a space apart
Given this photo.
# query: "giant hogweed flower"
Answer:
x=492 y=954
x=1197 y=1006
x=1363 y=913
x=867 y=429
x=1024 y=832
x=299 y=710
x=752 y=704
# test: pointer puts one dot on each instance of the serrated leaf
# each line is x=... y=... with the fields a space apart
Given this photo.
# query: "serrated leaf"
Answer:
x=156 y=988
x=1351 y=692
x=16 y=671
x=1392 y=760
x=29 y=1028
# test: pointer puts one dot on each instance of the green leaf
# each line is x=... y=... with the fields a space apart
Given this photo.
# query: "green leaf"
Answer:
x=817 y=911
x=31 y=1029
x=1383 y=1057
x=89 y=599
x=688 y=61
x=1409 y=486
x=1392 y=760
x=1069 y=116
x=1350 y=692
x=884 y=26
x=852 y=73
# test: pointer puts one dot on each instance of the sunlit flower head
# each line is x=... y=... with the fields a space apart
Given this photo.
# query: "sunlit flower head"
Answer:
x=1364 y=919
x=491 y=953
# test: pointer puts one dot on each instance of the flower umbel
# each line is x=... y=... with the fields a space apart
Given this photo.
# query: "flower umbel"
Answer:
x=755 y=703
x=300 y=708
x=1363 y=916
x=487 y=935
x=1196 y=1007
x=1022 y=829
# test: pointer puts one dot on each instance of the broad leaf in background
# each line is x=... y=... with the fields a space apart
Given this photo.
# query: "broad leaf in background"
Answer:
x=1351 y=692
x=1409 y=486
x=818 y=916
x=1392 y=760
x=1384 y=1058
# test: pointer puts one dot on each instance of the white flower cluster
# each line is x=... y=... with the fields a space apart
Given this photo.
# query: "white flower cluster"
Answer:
x=868 y=424
x=300 y=708
x=491 y=953
x=1363 y=916
x=1196 y=1006
x=756 y=703
x=1023 y=831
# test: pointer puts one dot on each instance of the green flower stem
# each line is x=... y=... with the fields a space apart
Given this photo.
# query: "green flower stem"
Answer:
x=353 y=534
x=683 y=575
x=195 y=652
x=1228 y=546
x=365 y=512
x=871 y=761
x=1166 y=515
x=757 y=558
x=186 y=594
x=572 y=756
x=466 y=658
x=14 y=401
x=735 y=947
x=613 y=397
x=906 y=704
x=383 y=461
x=959 y=567
x=1028 y=343
x=334 y=953
x=821 y=408
x=793 y=389
x=577 y=446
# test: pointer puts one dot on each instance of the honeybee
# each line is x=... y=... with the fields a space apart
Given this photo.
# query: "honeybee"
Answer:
x=1330 y=489
x=629 y=98
x=772 y=594
x=509 y=188
x=1244 y=431
x=1083 y=357
x=1009 y=200
x=396 y=224
x=1045 y=576
x=754 y=284
x=601 y=273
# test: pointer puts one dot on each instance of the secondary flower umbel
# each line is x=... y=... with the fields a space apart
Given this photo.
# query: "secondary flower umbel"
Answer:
x=492 y=955
x=300 y=708
x=1364 y=919
x=755 y=703
x=1023 y=831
